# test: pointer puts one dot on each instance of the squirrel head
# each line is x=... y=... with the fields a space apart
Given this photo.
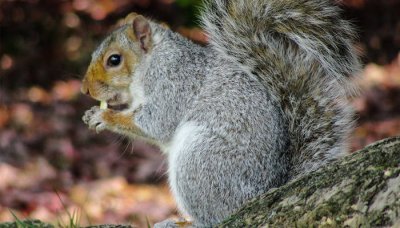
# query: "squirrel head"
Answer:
x=114 y=62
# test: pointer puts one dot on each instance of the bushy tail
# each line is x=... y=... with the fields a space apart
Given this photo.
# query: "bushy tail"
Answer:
x=302 y=51
x=251 y=32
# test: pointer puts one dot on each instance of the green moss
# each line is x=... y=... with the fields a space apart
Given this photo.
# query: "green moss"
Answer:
x=26 y=224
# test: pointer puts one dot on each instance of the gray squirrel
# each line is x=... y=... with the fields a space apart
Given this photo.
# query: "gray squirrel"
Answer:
x=264 y=102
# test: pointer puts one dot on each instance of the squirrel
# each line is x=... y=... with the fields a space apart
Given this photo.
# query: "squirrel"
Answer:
x=266 y=101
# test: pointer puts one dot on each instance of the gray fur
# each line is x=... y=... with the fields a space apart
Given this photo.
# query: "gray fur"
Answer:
x=263 y=103
x=238 y=149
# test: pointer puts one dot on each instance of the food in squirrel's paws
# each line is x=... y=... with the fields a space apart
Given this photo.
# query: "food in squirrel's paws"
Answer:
x=103 y=105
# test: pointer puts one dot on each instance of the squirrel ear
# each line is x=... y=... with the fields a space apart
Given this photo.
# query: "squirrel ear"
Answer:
x=127 y=20
x=141 y=28
x=130 y=17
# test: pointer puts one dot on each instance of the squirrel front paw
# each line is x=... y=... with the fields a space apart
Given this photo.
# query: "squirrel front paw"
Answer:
x=93 y=118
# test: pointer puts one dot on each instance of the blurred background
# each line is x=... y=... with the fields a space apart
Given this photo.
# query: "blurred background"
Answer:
x=52 y=166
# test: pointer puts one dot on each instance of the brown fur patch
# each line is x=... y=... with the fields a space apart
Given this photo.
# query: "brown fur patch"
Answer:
x=93 y=77
x=121 y=121
x=98 y=75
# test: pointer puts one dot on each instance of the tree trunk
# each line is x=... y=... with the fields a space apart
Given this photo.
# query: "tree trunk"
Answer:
x=360 y=190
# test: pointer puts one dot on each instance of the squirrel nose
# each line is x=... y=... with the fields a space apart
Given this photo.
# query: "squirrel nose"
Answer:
x=84 y=88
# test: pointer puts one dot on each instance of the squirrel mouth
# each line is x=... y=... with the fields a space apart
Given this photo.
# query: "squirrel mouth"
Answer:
x=116 y=104
x=118 y=107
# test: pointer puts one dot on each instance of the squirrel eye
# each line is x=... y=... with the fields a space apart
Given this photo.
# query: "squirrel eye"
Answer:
x=114 y=60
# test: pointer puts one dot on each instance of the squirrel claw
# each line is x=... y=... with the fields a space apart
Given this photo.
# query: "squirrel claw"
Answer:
x=93 y=118
x=100 y=127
